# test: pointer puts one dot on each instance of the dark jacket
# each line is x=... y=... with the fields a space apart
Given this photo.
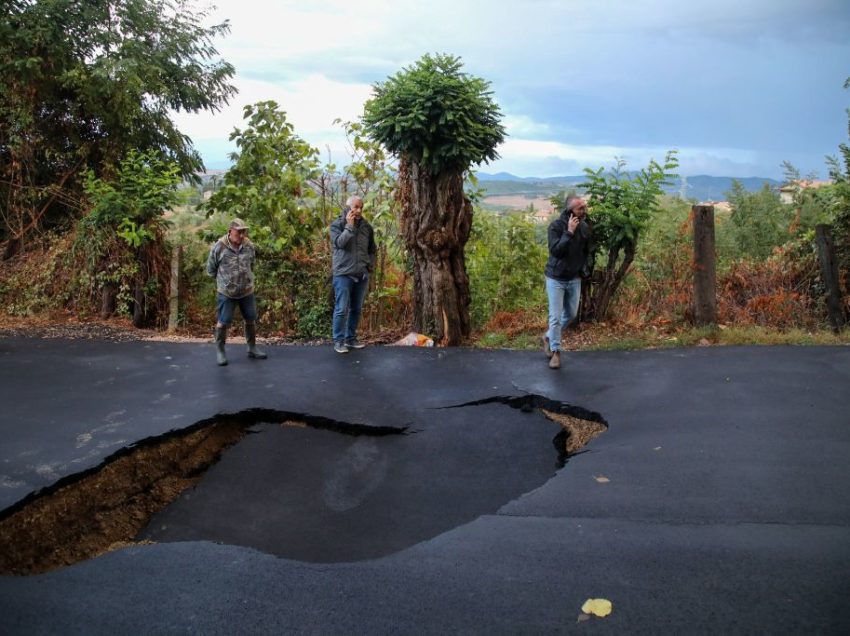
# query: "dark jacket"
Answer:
x=568 y=253
x=354 y=247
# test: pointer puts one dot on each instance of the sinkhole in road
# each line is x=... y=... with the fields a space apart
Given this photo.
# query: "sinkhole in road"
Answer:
x=299 y=486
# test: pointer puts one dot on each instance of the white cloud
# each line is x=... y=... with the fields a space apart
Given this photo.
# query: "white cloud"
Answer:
x=262 y=30
x=527 y=158
x=650 y=63
x=311 y=105
x=522 y=126
x=533 y=149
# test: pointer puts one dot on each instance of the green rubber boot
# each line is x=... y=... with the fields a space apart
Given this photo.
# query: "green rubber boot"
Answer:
x=251 y=339
x=220 y=338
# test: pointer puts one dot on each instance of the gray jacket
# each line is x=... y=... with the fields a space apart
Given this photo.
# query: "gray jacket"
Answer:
x=354 y=247
x=232 y=267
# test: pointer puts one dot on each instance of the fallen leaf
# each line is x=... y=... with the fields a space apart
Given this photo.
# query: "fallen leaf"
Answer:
x=583 y=617
x=657 y=448
x=597 y=606
x=601 y=479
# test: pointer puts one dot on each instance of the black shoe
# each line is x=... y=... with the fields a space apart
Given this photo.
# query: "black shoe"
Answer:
x=354 y=344
x=340 y=347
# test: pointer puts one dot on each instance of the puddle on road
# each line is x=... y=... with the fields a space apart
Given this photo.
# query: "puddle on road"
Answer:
x=341 y=491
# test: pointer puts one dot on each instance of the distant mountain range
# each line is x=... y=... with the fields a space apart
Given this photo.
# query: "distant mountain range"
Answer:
x=699 y=187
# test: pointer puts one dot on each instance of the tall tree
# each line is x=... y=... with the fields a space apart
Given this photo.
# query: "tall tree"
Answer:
x=439 y=121
x=266 y=185
x=85 y=82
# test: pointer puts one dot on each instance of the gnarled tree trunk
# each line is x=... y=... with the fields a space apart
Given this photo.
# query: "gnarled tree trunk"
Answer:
x=597 y=297
x=436 y=218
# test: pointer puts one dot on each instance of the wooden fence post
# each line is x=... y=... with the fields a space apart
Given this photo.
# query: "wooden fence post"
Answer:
x=174 y=294
x=829 y=275
x=705 y=297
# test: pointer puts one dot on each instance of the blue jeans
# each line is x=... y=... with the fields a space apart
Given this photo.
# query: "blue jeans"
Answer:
x=225 y=307
x=348 y=301
x=564 y=297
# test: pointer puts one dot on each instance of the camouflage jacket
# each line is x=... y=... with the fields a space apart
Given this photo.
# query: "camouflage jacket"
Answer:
x=232 y=267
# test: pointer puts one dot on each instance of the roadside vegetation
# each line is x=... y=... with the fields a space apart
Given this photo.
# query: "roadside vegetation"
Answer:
x=95 y=204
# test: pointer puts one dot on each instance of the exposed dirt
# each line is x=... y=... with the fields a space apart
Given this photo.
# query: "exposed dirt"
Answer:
x=579 y=431
x=121 y=330
x=105 y=510
x=54 y=328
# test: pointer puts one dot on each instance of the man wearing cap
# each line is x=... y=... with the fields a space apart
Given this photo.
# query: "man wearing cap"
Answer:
x=231 y=261
x=569 y=250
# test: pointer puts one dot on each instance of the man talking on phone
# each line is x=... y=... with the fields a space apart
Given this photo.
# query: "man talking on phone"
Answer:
x=569 y=250
x=354 y=249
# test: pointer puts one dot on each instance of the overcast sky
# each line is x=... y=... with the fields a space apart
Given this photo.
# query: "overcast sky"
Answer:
x=737 y=86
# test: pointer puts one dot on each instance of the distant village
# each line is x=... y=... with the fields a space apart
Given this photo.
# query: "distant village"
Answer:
x=538 y=204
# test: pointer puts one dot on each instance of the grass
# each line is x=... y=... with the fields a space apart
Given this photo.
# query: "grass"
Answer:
x=615 y=337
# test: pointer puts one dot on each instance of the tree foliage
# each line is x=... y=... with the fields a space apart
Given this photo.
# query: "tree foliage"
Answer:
x=84 y=82
x=122 y=238
x=504 y=256
x=266 y=185
x=621 y=204
x=839 y=172
x=760 y=221
x=143 y=187
x=436 y=115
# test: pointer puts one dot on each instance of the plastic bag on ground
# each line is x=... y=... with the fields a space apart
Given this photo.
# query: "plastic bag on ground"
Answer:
x=415 y=340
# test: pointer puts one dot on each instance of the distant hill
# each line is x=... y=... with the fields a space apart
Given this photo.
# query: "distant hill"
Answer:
x=706 y=188
x=699 y=187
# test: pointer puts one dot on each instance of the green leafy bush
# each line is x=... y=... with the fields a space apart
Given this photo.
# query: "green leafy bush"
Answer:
x=505 y=260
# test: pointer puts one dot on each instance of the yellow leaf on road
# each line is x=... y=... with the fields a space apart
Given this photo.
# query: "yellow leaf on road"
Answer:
x=597 y=606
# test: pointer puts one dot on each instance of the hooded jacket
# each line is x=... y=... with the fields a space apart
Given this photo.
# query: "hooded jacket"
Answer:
x=232 y=267
x=568 y=253
x=354 y=247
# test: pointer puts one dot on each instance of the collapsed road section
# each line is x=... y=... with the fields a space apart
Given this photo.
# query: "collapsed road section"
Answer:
x=578 y=423
x=297 y=486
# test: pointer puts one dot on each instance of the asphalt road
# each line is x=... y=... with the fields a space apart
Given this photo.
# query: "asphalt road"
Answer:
x=717 y=500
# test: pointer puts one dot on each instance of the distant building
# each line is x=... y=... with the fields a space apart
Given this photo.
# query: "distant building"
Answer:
x=788 y=191
x=542 y=216
x=719 y=206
